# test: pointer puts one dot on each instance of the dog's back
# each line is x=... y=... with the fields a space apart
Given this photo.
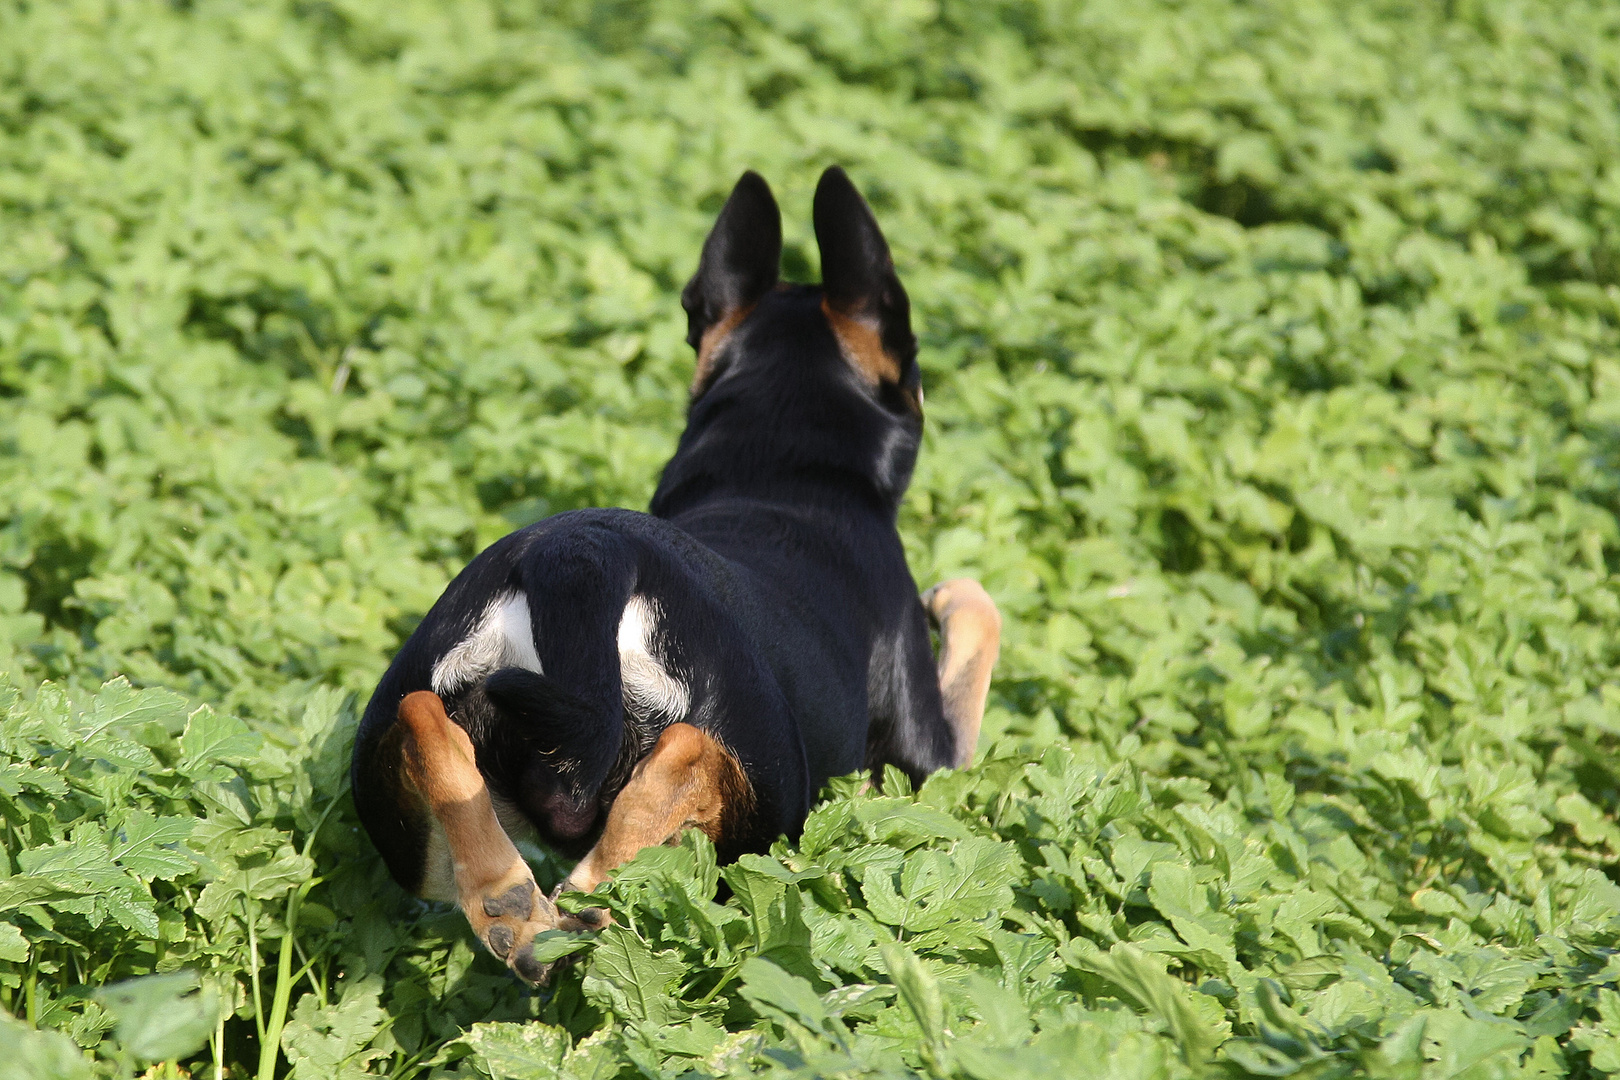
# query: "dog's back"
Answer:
x=756 y=634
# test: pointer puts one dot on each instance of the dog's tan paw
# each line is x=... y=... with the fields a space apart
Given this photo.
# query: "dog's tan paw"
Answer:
x=591 y=918
x=506 y=918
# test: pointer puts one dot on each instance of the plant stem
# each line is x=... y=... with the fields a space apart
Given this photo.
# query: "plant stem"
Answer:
x=218 y=1045
x=270 y=1043
x=253 y=969
x=721 y=985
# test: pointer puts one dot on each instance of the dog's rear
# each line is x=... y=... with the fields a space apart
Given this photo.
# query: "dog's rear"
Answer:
x=607 y=679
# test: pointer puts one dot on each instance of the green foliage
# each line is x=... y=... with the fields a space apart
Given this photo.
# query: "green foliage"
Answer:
x=158 y=1018
x=1271 y=382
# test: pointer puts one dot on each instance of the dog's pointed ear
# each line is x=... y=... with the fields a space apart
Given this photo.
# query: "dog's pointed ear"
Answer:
x=741 y=261
x=857 y=271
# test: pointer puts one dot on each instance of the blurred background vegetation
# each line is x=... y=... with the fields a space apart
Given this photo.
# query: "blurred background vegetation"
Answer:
x=1272 y=383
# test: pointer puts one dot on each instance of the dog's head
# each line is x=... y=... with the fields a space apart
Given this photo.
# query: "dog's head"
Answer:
x=802 y=381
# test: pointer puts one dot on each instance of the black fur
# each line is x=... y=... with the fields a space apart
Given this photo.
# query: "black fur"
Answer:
x=784 y=602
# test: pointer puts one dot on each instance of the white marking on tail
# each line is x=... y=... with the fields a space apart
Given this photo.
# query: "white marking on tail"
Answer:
x=503 y=637
x=649 y=689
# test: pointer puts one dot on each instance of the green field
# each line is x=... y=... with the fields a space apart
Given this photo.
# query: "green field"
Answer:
x=1272 y=354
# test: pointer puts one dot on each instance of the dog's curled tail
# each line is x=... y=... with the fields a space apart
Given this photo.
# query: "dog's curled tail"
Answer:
x=566 y=747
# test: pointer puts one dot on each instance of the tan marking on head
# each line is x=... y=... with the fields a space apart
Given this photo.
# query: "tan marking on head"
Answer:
x=687 y=781
x=970 y=640
x=711 y=341
x=862 y=345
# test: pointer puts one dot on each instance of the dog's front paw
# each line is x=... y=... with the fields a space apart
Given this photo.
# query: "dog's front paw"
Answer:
x=506 y=917
x=591 y=918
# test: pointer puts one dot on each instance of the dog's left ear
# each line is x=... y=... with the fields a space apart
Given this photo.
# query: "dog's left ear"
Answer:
x=741 y=262
x=857 y=272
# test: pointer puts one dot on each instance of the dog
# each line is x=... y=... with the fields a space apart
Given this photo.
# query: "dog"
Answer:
x=603 y=680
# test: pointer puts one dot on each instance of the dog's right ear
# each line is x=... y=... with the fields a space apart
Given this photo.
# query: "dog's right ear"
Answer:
x=741 y=261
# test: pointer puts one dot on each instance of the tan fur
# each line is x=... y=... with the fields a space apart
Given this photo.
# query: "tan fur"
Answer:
x=970 y=640
x=688 y=781
x=494 y=886
x=714 y=337
x=862 y=346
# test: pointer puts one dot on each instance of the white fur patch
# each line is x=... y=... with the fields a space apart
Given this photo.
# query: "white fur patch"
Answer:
x=503 y=637
x=439 y=870
x=649 y=690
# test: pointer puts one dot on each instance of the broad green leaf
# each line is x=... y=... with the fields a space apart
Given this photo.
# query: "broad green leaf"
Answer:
x=782 y=995
x=162 y=1017
x=211 y=738
x=40 y=1055
x=550 y=945
x=517 y=1051
x=965 y=883
x=147 y=846
x=631 y=980
x=118 y=703
x=920 y=992
x=1147 y=984
x=333 y=1041
x=13 y=945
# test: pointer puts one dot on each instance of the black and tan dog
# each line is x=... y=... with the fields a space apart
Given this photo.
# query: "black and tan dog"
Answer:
x=604 y=679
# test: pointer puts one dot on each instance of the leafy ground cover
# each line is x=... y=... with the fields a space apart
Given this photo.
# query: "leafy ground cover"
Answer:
x=1273 y=391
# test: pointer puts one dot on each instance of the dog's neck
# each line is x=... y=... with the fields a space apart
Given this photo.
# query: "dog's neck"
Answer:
x=861 y=467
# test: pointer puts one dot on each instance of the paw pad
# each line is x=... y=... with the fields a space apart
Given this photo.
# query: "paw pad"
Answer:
x=499 y=939
x=516 y=902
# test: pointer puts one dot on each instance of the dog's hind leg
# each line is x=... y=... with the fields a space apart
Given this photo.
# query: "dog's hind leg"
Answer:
x=494 y=886
x=688 y=781
x=970 y=639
